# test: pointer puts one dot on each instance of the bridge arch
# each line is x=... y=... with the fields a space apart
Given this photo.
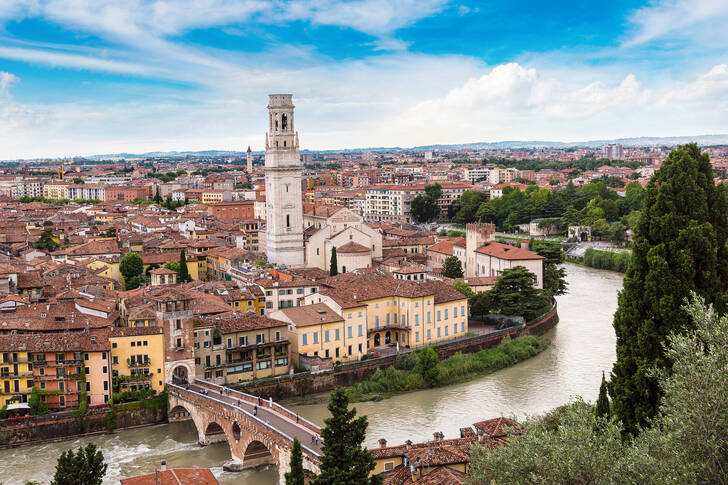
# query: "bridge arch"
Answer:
x=256 y=454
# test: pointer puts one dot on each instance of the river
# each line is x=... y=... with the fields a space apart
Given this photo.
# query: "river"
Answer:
x=582 y=346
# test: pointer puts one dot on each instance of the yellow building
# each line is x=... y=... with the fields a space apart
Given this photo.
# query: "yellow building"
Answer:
x=404 y=312
x=16 y=378
x=110 y=269
x=319 y=331
x=137 y=358
x=212 y=196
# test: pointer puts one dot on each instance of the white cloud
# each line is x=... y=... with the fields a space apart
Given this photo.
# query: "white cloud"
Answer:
x=76 y=61
x=711 y=88
x=671 y=19
x=6 y=80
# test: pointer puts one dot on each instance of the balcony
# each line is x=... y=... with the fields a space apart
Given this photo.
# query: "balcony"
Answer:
x=21 y=375
x=137 y=363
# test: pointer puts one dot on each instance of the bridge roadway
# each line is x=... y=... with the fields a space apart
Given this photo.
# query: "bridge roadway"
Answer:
x=276 y=416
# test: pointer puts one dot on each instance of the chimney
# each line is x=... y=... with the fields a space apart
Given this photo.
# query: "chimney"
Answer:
x=163 y=466
x=382 y=443
x=438 y=436
x=524 y=245
x=407 y=444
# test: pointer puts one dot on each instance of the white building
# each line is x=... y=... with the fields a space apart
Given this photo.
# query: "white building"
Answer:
x=27 y=188
x=391 y=202
x=613 y=151
x=283 y=170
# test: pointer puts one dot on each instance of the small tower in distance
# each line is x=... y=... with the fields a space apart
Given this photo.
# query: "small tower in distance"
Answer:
x=283 y=172
x=250 y=161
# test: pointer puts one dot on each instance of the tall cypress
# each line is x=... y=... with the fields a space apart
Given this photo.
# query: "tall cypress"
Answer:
x=334 y=264
x=184 y=274
x=296 y=475
x=344 y=460
x=602 y=410
x=679 y=247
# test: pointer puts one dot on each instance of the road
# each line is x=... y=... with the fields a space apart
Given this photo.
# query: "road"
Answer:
x=265 y=414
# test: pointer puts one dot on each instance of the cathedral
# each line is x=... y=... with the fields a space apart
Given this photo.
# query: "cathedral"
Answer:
x=306 y=238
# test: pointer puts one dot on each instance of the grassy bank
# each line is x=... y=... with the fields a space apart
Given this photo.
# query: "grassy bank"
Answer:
x=409 y=374
x=610 y=260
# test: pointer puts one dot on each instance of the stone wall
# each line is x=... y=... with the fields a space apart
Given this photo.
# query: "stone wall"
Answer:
x=67 y=424
x=306 y=383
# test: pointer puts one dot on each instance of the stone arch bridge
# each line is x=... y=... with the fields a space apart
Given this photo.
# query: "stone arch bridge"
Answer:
x=255 y=438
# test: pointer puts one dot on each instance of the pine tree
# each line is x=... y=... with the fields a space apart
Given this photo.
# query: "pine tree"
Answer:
x=184 y=274
x=344 y=460
x=602 y=409
x=296 y=476
x=45 y=241
x=679 y=247
x=334 y=264
x=86 y=467
x=452 y=268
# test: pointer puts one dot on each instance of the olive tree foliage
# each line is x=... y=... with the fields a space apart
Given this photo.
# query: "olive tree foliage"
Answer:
x=684 y=444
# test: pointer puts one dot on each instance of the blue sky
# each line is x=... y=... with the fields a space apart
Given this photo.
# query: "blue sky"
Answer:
x=79 y=77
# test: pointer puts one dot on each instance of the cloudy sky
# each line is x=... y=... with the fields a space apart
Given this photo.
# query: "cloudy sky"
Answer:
x=80 y=77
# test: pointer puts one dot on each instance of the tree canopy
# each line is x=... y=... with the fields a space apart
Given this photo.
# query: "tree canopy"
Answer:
x=46 y=241
x=679 y=247
x=424 y=208
x=452 y=267
x=86 y=467
x=131 y=267
x=344 y=459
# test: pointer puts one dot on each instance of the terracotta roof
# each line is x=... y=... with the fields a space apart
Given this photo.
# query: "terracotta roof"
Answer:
x=177 y=476
x=117 y=332
x=499 y=427
x=162 y=271
x=442 y=476
x=56 y=342
x=241 y=322
x=506 y=251
x=352 y=247
x=409 y=241
x=316 y=314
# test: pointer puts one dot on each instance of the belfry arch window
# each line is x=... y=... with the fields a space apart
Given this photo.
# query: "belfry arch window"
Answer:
x=288 y=220
x=284 y=122
x=276 y=124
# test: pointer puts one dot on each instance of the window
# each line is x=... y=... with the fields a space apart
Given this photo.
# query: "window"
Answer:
x=462 y=310
x=263 y=364
x=429 y=320
x=438 y=315
x=350 y=315
x=315 y=337
x=462 y=327
x=438 y=332
x=445 y=314
x=299 y=291
x=360 y=314
x=336 y=335
x=455 y=328
x=105 y=370
x=350 y=332
x=376 y=321
x=326 y=336
x=179 y=343
x=446 y=329
x=113 y=345
x=106 y=385
x=115 y=360
x=388 y=317
x=454 y=312
x=429 y=335
x=304 y=339
x=360 y=331
x=417 y=319
x=178 y=324
x=260 y=338
x=288 y=220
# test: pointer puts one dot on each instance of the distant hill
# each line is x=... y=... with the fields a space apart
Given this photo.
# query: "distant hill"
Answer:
x=704 y=140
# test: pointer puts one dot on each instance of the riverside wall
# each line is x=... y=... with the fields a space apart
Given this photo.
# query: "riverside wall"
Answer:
x=347 y=374
x=64 y=425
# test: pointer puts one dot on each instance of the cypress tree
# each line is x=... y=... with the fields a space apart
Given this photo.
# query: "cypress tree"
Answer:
x=679 y=247
x=334 y=264
x=184 y=274
x=344 y=460
x=296 y=476
x=603 y=410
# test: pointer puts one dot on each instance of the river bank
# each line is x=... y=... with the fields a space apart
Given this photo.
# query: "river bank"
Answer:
x=404 y=376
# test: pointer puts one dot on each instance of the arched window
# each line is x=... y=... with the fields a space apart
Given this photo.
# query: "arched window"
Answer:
x=284 y=143
x=288 y=220
x=284 y=122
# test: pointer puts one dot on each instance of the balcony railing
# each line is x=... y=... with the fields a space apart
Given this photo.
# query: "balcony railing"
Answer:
x=137 y=363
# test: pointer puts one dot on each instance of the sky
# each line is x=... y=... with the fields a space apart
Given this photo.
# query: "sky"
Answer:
x=83 y=77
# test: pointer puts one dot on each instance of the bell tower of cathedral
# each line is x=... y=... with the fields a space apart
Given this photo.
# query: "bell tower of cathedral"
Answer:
x=283 y=169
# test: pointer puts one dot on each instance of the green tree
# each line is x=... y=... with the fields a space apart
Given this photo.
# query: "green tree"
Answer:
x=685 y=444
x=77 y=180
x=679 y=248
x=424 y=208
x=602 y=408
x=480 y=304
x=184 y=273
x=426 y=366
x=333 y=264
x=515 y=294
x=46 y=241
x=344 y=460
x=465 y=208
x=131 y=267
x=296 y=475
x=452 y=268
x=38 y=407
x=463 y=288
x=86 y=467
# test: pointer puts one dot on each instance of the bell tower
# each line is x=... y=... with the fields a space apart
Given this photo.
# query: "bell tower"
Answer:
x=283 y=170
